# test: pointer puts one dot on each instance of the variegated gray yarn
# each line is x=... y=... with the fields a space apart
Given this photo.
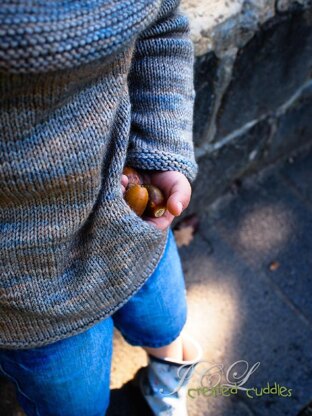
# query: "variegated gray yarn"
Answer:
x=86 y=87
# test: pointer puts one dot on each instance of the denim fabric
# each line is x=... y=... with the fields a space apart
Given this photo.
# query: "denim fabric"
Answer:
x=72 y=376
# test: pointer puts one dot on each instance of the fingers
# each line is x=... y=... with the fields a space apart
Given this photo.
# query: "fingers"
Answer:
x=179 y=199
x=161 y=222
x=124 y=181
x=175 y=206
x=176 y=188
x=177 y=191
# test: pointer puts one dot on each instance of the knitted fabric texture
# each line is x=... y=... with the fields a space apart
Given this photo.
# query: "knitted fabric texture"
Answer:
x=86 y=87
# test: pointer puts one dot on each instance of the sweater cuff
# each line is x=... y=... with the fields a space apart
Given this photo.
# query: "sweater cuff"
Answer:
x=163 y=161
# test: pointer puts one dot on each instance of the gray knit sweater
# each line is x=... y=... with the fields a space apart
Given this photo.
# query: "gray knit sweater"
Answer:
x=86 y=87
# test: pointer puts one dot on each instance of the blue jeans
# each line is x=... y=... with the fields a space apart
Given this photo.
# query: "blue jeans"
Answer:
x=72 y=376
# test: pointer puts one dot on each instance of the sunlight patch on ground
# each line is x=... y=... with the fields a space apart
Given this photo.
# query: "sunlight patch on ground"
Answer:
x=214 y=320
x=264 y=229
x=213 y=316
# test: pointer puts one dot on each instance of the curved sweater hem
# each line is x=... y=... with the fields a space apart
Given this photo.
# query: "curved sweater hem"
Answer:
x=85 y=324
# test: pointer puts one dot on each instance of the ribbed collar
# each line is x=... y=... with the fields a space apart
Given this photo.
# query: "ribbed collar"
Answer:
x=47 y=35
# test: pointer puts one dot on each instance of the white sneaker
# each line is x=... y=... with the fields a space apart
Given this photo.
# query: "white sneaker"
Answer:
x=164 y=381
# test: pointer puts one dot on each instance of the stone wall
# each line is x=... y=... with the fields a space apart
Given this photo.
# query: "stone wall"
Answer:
x=253 y=84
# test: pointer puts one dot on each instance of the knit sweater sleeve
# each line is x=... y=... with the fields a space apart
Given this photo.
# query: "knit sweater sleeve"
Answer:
x=162 y=95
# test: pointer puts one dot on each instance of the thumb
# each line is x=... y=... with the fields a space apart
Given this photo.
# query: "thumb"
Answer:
x=180 y=195
x=174 y=204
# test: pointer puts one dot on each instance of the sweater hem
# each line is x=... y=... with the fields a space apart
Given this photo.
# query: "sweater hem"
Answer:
x=86 y=324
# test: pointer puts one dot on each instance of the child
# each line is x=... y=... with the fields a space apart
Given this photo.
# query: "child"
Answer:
x=88 y=87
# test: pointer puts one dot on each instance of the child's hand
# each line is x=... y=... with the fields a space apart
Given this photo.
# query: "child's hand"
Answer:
x=177 y=191
x=124 y=183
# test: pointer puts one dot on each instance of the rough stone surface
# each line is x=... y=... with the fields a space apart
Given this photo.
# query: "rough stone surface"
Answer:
x=253 y=73
x=205 y=16
x=261 y=144
x=205 y=73
x=283 y=5
x=268 y=71
x=218 y=25
x=293 y=128
x=223 y=166
x=250 y=83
